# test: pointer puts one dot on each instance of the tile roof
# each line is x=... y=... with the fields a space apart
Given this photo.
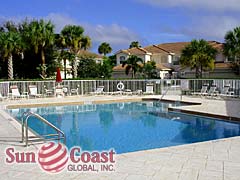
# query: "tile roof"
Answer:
x=175 y=47
x=155 y=49
x=119 y=68
x=135 y=50
x=158 y=66
x=85 y=53
x=222 y=65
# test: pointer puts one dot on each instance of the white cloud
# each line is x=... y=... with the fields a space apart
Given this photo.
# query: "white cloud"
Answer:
x=113 y=34
x=216 y=5
x=60 y=20
x=118 y=36
x=209 y=27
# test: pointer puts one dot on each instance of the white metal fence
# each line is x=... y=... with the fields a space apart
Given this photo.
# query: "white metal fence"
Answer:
x=159 y=86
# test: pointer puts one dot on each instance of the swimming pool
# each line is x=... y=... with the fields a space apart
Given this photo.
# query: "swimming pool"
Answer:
x=128 y=126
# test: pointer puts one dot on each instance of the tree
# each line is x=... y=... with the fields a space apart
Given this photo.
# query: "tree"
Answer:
x=10 y=43
x=198 y=55
x=72 y=38
x=232 y=47
x=88 y=68
x=149 y=69
x=40 y=35
x=104 y=48
x=86 y=42
x=113 y=60
x=105 y=69
x=134 y=44
x=132 y=63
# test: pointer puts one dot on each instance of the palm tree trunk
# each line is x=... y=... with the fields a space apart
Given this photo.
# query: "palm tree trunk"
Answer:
x=201 y=71
x=75 y=68
x=65 y=68
x=133 y=73
x=197 y=73
x=10 y=67
x=43 y=63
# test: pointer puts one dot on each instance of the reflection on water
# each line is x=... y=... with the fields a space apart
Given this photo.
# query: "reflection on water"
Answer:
x=128 y=126
x=106 y=119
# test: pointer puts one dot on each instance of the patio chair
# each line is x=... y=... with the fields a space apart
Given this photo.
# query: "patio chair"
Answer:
x=127 y=92
x=226 y=92
x=2 y=97
x=48 y=92
x=33 y=91
x=138 y=92
x=213 y=90
x=59 y=91
x=16 y=94
x=203 y=91
x=98 y=91
x=74 y=91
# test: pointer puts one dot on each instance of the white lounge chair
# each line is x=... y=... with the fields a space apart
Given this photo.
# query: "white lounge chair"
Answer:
x=2 y=97
x=33 y=91
x=213 y=90
x=137 y=92
x=226 y=92
x=203 y=91
x=98 y=91
x=59 y=92
x=16 y=94
x=127 y=92
x=74 y=91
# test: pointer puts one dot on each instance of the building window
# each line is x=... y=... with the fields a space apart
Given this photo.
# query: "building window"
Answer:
x=176 y=60
x=122 y=59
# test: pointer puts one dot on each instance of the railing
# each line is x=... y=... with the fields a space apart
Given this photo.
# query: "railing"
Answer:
x=86 y=86
x=25 y=118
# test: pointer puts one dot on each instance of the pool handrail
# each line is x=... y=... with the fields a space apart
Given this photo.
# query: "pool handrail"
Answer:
x=25 y=118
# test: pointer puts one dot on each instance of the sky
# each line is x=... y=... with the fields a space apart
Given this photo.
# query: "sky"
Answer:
x=121 y=22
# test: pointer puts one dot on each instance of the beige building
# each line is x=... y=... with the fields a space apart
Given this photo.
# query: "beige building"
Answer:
x=167 y=56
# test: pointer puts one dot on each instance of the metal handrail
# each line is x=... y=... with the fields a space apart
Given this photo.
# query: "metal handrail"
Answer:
x=168 y=90
x=25 y=118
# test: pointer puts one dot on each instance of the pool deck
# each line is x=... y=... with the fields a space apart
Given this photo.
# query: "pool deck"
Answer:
x=213 y=160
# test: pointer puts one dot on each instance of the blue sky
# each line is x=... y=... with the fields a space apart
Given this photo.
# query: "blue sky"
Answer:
x=120 y=22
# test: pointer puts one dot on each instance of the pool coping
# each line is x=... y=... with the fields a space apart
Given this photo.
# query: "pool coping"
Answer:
x=45 y=104
x=219 y=117
x=192 y=112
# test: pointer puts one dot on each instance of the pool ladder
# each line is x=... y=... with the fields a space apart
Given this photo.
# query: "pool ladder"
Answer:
x=26 y=138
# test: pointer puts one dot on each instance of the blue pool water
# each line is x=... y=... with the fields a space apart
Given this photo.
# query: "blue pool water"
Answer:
x=128 y=127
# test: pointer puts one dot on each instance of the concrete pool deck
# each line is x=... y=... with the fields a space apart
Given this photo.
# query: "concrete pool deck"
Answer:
x=218 y=159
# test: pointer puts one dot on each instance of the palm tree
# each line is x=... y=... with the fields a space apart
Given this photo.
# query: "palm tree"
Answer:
x=232 y=44
x=10 y=43
x=72 y=38
x=86 y=42
x=134 y=44
x=104 y=48
x=149 y=69
x=232 y=47
x=40 y=35
x=198 y=55
x=133 y=63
